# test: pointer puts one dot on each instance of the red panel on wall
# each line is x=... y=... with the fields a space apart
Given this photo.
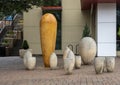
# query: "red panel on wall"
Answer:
x=105 y=1
x=86 y=4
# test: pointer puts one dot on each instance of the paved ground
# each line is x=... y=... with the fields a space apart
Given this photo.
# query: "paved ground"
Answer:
x=13 y=72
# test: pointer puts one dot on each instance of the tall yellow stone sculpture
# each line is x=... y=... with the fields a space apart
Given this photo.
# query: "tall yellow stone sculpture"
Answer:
x=48 y=31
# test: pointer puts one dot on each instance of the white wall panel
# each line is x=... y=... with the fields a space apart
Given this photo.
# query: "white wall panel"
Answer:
x=106 y=32
x=106 y=29
x=106 y=49
x=107 y=12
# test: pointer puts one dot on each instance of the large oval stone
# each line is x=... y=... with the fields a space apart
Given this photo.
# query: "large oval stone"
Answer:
x=87 y=49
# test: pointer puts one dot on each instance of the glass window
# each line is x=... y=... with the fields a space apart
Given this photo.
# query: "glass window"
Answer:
x=118 y=27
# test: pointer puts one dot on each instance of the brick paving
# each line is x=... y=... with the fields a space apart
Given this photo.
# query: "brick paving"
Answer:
x=13 y=72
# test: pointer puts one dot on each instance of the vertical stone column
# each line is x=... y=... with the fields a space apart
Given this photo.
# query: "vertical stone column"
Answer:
x=106 y=29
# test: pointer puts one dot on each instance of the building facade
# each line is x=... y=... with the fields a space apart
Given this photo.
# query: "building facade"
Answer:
x=102 y=17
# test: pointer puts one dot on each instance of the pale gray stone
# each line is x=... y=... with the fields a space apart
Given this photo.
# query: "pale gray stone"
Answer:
x=87 y=49
x=29 y=61
x=99 y=64
x=53 y=61
x=78 y=61
x=68 y=65
x=110 y=64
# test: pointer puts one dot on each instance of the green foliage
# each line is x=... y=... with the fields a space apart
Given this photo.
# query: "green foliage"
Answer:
x=86 y=31
x=9 y=7
x=10 y=32
x=51 y=2
x=5 y=42
x=25 y=45
x=118 y=32
x=1 y=15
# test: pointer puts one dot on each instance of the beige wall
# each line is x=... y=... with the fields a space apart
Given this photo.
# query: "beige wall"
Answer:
x=31 y=31
x=73 y=21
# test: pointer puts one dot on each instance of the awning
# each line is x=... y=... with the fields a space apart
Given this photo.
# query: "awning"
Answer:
x=86 y=4
x=52 y=8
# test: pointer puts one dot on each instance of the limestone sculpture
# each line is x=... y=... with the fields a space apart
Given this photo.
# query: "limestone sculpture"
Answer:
x=66 y=52
x=68 y=65
x=99 y=64
x=48 y=32
x=78 y=62
x=110 y=64
x=22 y=52
x=53 y=61
x=71 y=56
x=29 y=61
x=69 y=62
x=87 y=49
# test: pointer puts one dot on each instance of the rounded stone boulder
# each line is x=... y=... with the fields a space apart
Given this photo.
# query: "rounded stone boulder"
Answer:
x=66 y=51
x=68 y=65
x=29 y=61
x=77 y=62
x=53 y=61
x=87 y=49
x=99 y=64
x=110 y=64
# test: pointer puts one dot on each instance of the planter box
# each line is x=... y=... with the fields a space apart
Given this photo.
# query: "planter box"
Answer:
x=22 y=52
